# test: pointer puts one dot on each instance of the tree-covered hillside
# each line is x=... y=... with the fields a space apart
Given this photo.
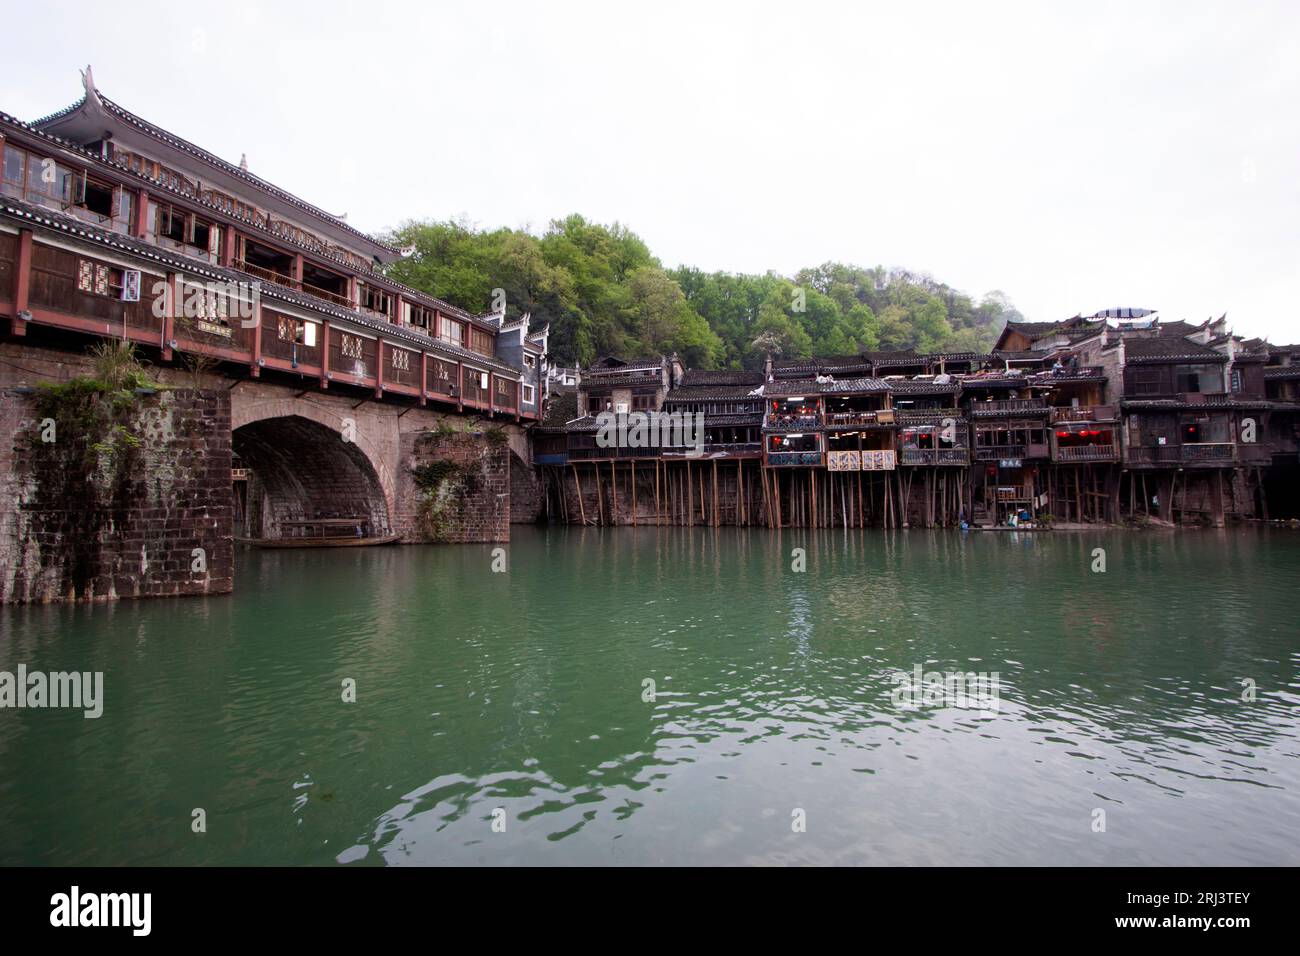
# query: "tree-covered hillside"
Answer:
x=605 y=293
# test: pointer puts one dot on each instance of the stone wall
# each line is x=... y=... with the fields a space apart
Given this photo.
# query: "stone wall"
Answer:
x=105 y=497
x=525 y=492
x=454 y=484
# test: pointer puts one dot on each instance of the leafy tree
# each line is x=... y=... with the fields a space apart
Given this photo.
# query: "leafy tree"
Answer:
x=603 y=292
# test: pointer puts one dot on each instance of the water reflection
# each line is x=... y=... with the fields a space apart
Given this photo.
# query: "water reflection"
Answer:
x=524 y=692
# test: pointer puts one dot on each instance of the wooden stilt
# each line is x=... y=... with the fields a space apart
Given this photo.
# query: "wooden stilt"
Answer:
x=577 y=485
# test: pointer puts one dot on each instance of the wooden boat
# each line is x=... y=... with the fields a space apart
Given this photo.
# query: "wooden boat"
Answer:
x=334 y=542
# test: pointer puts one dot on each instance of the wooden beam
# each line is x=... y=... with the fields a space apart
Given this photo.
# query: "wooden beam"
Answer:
x=324 y=353
x=255 y=367
x=140 y=228
x=169 y=314
x=22 y=281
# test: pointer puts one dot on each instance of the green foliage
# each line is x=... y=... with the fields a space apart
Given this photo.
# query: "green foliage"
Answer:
x=604 y=293
x=118 y=367
x=431 y=474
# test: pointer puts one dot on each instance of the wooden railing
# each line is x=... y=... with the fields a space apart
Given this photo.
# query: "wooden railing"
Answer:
x=1084 y=413
x=1206 y=451
x=1012 y=406
x=1086 y=453
x=784 y=458
x=1152 y=455
x=927 y=416
x=792 y=421
x=934 y=456
x=1198 y=453
x=884 y=416
x=279 y=278
x=995 y=452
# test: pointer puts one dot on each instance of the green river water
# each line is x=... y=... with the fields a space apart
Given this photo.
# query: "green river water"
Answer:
x=771 y=736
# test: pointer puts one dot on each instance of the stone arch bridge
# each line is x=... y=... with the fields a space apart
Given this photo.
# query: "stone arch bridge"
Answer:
x=222 y=456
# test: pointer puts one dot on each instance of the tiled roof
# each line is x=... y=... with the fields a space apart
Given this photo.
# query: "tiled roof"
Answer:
x=587 y=423
x=734 y=418
x=617 y=381
x=904 y=357
x=704 y=393
x=230 y=169
x=158 y=187
x=1138 y=351
x=925 y=386
x=1070 y=375
x=74 y=227
x=610 y=364
x=1282 y=371
x=1032 y=329
x=1211 y=402
x=1020 y=356
x=722 y=377
x=843 y=386
x=1178 y=328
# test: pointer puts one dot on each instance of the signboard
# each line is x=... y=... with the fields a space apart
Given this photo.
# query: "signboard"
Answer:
x=843 y=461
x=878 y=460
x=860 y=460
x=131 y=285
x=1011 y=462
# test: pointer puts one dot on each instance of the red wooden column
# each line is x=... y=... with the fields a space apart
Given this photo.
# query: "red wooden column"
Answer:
x=228 y=248
x=519 y=396
x=379 y=369
x=397 y=309
x=297 y=272
x=424 y=378
x=492 y=393
x=256 y=368
x=324 y=353
x=141 y=214
x=352 y=291
x=169 y=315
x=22 y=281
x=460 y=386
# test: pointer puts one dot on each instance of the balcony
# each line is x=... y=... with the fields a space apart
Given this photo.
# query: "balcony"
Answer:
x=1209 y=451
x=787 y=422
x=1085 y=453
x=869 y=459
x=1020 y=450
x=1084 y=413
x=1009 y=408
x=860 y=419
x=1204 y=453
x=780 y=459
x=928 y=416
x=623 y=453
x=934 y=456
x=733 y=448
x=288 y=282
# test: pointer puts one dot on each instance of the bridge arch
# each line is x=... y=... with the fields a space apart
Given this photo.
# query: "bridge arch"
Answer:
x=309 y=461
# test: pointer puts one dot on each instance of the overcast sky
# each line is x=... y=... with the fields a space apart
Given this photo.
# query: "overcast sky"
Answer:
x=1075 y=156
